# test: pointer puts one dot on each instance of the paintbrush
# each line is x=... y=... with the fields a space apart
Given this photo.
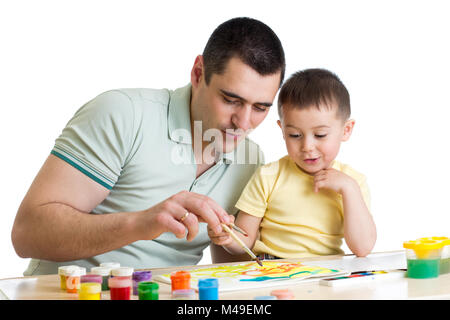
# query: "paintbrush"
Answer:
x=242 y=244
x=235 y=227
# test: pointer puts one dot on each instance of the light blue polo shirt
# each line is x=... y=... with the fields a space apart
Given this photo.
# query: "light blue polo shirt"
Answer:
x=137 y=143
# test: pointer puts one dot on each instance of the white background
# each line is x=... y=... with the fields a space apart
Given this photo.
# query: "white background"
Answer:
x=393 y=56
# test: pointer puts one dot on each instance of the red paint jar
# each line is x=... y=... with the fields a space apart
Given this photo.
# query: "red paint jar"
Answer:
x=120 y=288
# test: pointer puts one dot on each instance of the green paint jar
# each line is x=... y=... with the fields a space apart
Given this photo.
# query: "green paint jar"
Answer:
x=423 y=258
x=148 y=290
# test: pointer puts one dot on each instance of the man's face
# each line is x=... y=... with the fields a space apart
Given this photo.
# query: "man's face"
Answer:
x=233 y=103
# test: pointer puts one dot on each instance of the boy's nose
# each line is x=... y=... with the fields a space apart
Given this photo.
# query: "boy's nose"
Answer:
x=307 y=145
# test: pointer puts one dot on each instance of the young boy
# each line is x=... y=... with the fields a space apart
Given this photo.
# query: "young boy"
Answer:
x=306 y=202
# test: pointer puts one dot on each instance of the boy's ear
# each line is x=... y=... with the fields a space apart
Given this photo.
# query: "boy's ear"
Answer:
x=348 y=129
x=282 y=131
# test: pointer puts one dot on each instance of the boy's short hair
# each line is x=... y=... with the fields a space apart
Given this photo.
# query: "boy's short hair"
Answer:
x=247 y=39
x=314 y=87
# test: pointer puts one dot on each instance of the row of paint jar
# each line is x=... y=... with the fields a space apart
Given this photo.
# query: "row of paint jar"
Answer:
x=120 y=281
x=208 y=289
x=427 y=257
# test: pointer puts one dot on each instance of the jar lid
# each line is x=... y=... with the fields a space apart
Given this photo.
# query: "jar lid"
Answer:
x=180 y=275
x=423 y=244
x=111 y=265
x=102 y=271
x=208 y=283
x=265 y=298
x=62 y=271
x=142 y=275
x=282 y=294
x=90 y=288
x=75 y=272
x=122 y=272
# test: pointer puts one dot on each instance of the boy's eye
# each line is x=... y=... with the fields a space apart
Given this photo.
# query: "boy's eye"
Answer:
x=320 y=135
x=294 y=135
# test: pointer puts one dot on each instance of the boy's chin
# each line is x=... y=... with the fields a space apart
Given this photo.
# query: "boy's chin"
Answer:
x=309 y=170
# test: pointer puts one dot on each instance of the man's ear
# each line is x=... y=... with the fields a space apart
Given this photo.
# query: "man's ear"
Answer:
x=197 y=72
x=348 y=129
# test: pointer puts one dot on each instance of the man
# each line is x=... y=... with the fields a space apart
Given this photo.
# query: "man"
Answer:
x=134 y=170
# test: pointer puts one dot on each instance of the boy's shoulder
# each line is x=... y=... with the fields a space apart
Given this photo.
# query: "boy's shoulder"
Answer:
x=348 y=170
x=274 y=167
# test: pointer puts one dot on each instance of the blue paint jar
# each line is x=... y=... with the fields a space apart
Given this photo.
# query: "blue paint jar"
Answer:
x=208 y=289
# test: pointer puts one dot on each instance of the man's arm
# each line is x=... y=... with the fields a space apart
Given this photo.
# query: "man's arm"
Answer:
x=53 y=220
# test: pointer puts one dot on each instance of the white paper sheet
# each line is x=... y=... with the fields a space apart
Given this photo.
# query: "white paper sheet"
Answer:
x=373 y=262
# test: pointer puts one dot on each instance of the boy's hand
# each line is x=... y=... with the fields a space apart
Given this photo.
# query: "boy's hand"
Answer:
x=223 y=238
x=334 y=180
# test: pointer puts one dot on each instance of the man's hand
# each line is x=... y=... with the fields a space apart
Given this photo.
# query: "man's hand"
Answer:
x=170 y=216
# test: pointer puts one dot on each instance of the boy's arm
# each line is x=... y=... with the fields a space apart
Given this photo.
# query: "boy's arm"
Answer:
x=245 y=221
x=359 y=228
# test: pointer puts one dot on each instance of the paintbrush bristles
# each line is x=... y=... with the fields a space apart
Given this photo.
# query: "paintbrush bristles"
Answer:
x=241 y=243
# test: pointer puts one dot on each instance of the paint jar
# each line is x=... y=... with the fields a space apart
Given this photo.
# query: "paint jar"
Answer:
x=180 y=280
x=139 y=276
x=104 y=272
x=148 y=290
x=183 y=294
x=73 y=279
x=208 y=289
x=265 y=298
x=282 y=294
x=444 y=266
x=423 y=258
x=90 y=291
x=62 y=272
x=120 y=288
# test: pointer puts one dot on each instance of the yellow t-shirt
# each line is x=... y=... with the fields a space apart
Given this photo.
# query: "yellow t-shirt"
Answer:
x=297 y=222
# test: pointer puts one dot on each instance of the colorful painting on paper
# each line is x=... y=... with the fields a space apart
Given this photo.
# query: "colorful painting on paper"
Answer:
x=251 y=275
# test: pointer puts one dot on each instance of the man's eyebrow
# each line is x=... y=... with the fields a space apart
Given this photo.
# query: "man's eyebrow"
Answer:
x=233 y=95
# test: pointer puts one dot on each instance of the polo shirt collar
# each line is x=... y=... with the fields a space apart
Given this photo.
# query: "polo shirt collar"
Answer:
x=179 y=120
x=179 y=115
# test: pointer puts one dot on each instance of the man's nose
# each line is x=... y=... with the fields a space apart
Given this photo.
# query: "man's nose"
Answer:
x=242 y=118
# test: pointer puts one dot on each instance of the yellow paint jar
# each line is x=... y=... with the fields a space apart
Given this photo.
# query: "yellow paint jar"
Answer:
x=63 y=271
x=90 y=291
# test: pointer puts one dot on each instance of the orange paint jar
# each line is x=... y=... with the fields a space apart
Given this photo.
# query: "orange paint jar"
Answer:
x=180 y=280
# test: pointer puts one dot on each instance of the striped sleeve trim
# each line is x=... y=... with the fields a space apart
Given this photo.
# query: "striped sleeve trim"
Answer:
x=84 y=168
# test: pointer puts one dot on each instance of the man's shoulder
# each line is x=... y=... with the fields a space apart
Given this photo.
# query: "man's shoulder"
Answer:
x=160 y=96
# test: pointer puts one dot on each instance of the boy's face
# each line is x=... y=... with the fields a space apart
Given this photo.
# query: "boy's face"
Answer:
x=313 y=137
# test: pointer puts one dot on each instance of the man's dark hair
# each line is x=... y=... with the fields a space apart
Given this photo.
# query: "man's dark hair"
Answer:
x=250 y=40
x=314 y=87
